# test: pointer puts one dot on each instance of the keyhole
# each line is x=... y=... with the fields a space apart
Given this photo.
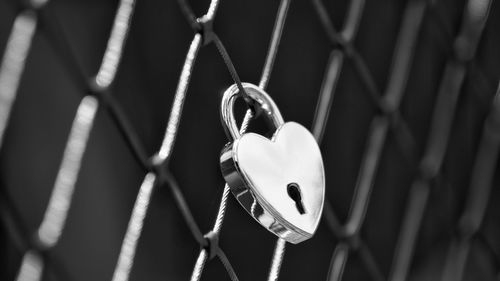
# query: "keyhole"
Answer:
x=293 y=191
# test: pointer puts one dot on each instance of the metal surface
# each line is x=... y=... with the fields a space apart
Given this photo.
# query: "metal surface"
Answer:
x=268 y=66
x=259 y=170
x=13 y=62
x=465 y=46
x=378 y=131
x=264 y=102
x=279 y=252
x=55 y=216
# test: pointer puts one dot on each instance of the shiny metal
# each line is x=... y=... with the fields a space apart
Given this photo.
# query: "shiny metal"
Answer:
x=31 y=267
x=13 y=62
x=265 y=102
x=114 y=49
x=258 y=170
x=179 y=98
x=199 y=265
x=56 y=214
x=134 y=229
x=279 y=24
x=268 y=66
x=279 y=252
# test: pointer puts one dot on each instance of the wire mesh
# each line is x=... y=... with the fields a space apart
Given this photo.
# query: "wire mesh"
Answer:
x=388 y=119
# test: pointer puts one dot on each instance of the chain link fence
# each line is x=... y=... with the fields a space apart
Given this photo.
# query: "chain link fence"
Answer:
x=402 y=100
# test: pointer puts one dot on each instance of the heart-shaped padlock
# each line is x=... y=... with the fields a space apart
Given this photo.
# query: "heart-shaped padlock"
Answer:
x=279 y=181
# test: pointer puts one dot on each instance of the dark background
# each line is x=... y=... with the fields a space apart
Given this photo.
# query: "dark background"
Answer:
x=145 y=86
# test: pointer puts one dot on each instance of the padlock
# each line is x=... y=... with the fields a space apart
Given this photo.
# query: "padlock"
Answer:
x=279 y=181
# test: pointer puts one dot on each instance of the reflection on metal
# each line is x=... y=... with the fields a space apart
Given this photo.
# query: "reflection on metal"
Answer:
x=114 y=50
x=199 y=265
x=277 y=30
x=325 y=99
x=180 y=95
x=32 y=267
x=127 y=252
x=134 y=229
x=334 y=66
x=60 y=201
x=55 y=216
x=202 y=257
x=256 y=167
x=279 y=252
x=13 y=63
x=476 y=14
x=279 y=24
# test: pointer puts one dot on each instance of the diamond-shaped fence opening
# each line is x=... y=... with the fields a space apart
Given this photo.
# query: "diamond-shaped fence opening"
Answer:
x=110 y=137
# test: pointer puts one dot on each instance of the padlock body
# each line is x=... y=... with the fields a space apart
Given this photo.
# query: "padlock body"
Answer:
x=258 y=170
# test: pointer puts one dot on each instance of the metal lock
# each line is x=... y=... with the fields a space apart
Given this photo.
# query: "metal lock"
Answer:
x=279 y=181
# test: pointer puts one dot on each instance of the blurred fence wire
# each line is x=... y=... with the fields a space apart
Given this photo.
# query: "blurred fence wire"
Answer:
x=36 y=16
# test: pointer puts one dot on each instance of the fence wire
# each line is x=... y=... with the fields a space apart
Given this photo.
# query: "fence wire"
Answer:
x=97 y=93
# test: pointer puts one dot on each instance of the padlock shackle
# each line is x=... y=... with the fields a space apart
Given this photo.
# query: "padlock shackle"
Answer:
x=263 y=100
